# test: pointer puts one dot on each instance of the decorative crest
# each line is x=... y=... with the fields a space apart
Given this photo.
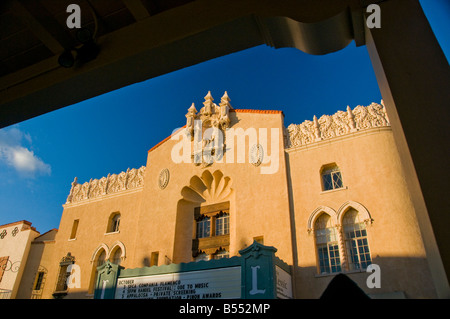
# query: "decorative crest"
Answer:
x=210 y=116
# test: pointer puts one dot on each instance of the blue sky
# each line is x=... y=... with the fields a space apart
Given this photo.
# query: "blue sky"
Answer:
x=40 y=157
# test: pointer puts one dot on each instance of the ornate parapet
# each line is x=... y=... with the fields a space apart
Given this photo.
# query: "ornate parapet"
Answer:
x=206 y=128
x=338 y=124
x=113 y=183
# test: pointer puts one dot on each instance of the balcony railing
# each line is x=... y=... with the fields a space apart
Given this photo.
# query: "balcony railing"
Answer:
x=5 y=293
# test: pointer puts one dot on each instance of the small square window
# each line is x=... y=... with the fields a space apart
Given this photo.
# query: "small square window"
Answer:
x=332 y=178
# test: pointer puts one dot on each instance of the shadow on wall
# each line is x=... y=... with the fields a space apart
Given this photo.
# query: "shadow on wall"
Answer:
x=31 y=269
x=342 y=287
x=399 y=277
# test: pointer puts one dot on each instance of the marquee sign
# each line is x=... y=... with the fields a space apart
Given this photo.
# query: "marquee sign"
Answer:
x=257 y=274
x=206 y=284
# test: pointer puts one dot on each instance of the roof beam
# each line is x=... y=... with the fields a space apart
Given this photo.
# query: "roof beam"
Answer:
x=36 y=27
x=137 y=9
x=170 y=41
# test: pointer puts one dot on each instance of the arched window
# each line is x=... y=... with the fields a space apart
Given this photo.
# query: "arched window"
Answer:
x=331 y=177
x=98 y=259
x=61 y=284
x=327 y=245
x=116 y=257
x=101 y=258
x=355 y=237
x=113 y=223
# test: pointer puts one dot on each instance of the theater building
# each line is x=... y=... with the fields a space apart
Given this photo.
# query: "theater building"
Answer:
x=329 y=195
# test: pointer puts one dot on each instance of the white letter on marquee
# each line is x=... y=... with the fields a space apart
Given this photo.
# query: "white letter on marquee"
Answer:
x=255 y=289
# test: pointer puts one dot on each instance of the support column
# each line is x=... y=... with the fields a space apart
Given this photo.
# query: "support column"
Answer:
x=414 y=79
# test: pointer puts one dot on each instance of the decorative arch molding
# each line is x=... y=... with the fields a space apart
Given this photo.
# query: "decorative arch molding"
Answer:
x=317 y=212
x=209 y=187
x=108 y=251
x=98 y=250
x=116 y=245
x=357 y=206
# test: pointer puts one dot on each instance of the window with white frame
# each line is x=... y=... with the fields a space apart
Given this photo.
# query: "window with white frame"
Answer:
x=211 y=231
x=327 y=245
x=221 y=254
x=202 y=256
x=331 y=177
x=356 y=243
x=222 y=224
x=203 y=227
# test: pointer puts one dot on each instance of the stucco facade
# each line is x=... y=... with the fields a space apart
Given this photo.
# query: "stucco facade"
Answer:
x=267 y=182
x=15 y=242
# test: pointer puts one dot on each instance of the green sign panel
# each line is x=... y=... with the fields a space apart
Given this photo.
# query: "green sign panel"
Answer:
x=256 y=274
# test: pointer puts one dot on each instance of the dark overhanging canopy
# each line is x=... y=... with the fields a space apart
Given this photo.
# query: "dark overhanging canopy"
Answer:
x=141 y=39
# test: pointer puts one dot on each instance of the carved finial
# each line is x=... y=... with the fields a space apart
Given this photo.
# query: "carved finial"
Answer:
x=225 y=98
x=74 y=183
x=191 y=110
x=207 y=110
x=224 y=110
x=209 y=97
x=384 y=111
x=190 y=117
x=316 y=128
x=315 y=121
x=351 y=119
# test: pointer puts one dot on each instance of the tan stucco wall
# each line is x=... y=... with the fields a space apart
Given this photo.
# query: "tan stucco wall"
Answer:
x=372 y=175
x=40 y=256
x=91 y=234
x=276 y=206
x=253 y=198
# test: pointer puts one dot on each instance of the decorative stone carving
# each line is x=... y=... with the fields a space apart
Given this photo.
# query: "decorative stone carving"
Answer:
x=209 y=188
x=256 y=154
x=206 y=143
x=95 y=190
x=190 y=118
x=102 y=184
x=163 y=178
x=224 y=119
x=113 y=183
x=338 y=124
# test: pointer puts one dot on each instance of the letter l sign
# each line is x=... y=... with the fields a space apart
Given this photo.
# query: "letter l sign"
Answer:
x=255 y=289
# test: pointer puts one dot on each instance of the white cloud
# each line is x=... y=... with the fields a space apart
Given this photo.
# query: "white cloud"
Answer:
x=13 y=153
